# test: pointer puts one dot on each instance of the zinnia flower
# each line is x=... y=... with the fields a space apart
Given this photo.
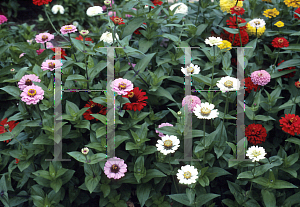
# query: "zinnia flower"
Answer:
x=190 y=70
x=60 y=53
x=58 y=8
x=27 y=80
x=290 y=124
x=206 y=111
x=32 y=94
x=256 y=153
x=40 y=51
x=187 y=174
x=7 y=127
x=51 y=65
x=93 y=11
x=231 y=22
x=160 y=134
x=256 y=133
x=115 y=168
x=108 y=37
x=271 y=13
x=292 y=3
x=257 y=23
x=252 y=30
x=228 y=84
x=168 y=144
x=43 y=37
x=117 y=20
x=41 y=2
x=84 y=32
x=137 y=100
x=249 y=85
x=297 y=84
x=17 y=160
x=191 y=101
x=68 y=29
x=244 y=37
x=279 y=24
x=260 y=77
x=181 y=9
x=86 y=39
x=225 y=45
x=298 y=12
x=213 y=41
x=226 y=5
x=237 y=10
x=94 y=108
x=280 y=42
x=121 y=86
x=85 y=151
x=289 y=75
x=3 y=19
x=156 y=2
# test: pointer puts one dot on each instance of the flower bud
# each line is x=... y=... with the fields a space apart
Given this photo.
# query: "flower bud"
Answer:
x=179 y=113
x=84 y=32
x=85 y=151
x=107 y=2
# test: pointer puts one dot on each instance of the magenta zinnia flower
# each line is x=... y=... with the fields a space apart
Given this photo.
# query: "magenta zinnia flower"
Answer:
x=115 y=168
x=32 y=94
x=121 y=86
x=68 y=29
x=27 y=80
x=160 y=134
x=3 y=19
x=191 y=101
x=44 y=37
x=51 y=65
x=40 y=51
x=260 y=77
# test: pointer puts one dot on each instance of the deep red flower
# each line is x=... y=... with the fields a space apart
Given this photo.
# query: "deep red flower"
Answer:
x=94 y=108
x=289 y=75
x=117 y=20
x=17 y=160
x=156 y=2
x=244 y=35
x=7 y=126
x=290 y=124
x=41 y=2
x=237 y=10
x=137 y=99
x=256 y=133
x=62 y=53
x=298 y=12
x=297 y=84
x=280 y=42
x=231 y=22
x=249 y=85
x=137 y=30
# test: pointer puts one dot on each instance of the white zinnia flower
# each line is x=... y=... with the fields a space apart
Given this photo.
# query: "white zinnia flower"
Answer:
x=168 y=144
x=205 y=111
x=187 y=175
x=182 y=9
x=108 y=37
x=93 y=11
x=257 y=23
x=256 y=153
x=58 y=8
x=228 y=84
x=85 y=151
x=75 y=23
x=190 y=70
x=213 y=41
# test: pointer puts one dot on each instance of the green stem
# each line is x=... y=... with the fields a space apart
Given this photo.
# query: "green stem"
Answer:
x=225 y=111
x=198 y=12
x=253 y=173
x=171 y=168
x=276 y=58
x=239 y=30
x=86 y=70
x=15 y=138
x=204 y=123
x=38 y=110
x=72 y=45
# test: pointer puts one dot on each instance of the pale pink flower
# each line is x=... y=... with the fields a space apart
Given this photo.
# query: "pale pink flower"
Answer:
x=27 y=80
x=260 y=77
x=160 y=134
x=121 y=86
x=22 y=54
x=191 y=101
x=44 y=37
x=40 y=51
x=111 y=13
x=32 y=94
x=133 y=65
x=68 y=29
x=115 y=168
x=51 y=65
x=3 y=19
x=49 y=45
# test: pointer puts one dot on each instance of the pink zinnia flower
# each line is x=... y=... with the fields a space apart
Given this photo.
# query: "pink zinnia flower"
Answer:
x=121 y=86
x=111 y=13
x=27 y=80
x=3 y=19
x=260 y=77
x=49 y=45
x=191 y=101
x=40 y=51
x=133 y=65
x=160 y=134
x=44 y=37
x=68 y=29
x=22 y=54
x=115 y=168
x=51 y=65
x=32 y=94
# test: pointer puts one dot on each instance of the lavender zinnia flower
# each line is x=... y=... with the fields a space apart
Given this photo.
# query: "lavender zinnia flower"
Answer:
x=26 y=80
x=260 y=77
x=121 y=86
x=115 y=168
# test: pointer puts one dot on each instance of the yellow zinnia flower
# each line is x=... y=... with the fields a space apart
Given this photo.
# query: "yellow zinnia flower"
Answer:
x=252 y=30
x=271 y=13
x=227 y=4
x=279 y=24
x=225 y=44
x=293 y=3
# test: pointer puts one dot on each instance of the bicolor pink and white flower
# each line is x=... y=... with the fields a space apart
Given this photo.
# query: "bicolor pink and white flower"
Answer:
x=27 y=80
x=68 y=29
x=51 y=65
x=32 y=94
x=44 y=37
x=115 y=168
x=121 y=86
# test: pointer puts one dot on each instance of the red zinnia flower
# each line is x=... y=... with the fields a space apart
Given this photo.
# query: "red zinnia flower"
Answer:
x=244 y=35
x=117 y=20
x=86 y=39
x=289 y=75
x=17 y=160
x=62 y=53
x=256 y=133
x=137 y=99
x=298 y=12
x=250 y=85
x=156 y=2
x=7 y=126
x=280 y=42
x=231 y=22
x=237 y=10
x=297 y=84
x=41 y=2
x=290 y=124
x=137 y=30
x=94 y=108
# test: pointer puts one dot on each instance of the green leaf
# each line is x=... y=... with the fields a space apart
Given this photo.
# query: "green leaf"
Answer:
x=76 y=77
x=97 y=158
x=171 y=37
x=152 y=173
x=105 y=188
x=190 y=194
x=204 y=198
x=139 y=169
x=268 y=198
x=145 y=44
x=293 y=140
x=230 y=30
x=91 y=182
x=292 y=200
x=200 y=29
x=143 y=192
x=247 y=175
x=181 y=198
x=144 y=62
x=90 y=62
x=56 y=184
x=12 y=90
x=288 y=63
x=132 y=26
x=71 y=108
x=78 y=156
x=162 y=92
x=43 y=174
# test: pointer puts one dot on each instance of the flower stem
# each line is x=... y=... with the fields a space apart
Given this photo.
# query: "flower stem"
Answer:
x=38 y=110
x=86 y=71
x=253 y=173
x=237 y=24
x=225 y=111
x=236 y=2
x=276 y=58
x=198 y=12
x=171 y=168
x=72 y=45
x=204 y=123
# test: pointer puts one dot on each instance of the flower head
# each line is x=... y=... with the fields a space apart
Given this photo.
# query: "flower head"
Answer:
x=3 y=19
x=7 y=127
x=27 y=80
x=86 y=39
x=213 y=41
x=279 y=24
x=256 y=133
x=44 y=37
x=297 y=84
x=85 y=151
x=51 y=65
x=168 y=144
x=271 y=13
x=94 y=108
x=115 y=168
x=84 y=32
x=280 y=42
x=181 y=9
x=231 y=22
x=32 y=94
x=41 y=2
x=117 y=20
x=290 y=124
x=237 y=10
x=108 y=37
x=93 y=11
x=137 y=100
x=289 y=75
x=256 y=153
x=40 y=51
x=260 y=77
x=252 y=30
x=225 y=45
x=298 y=12
x=58 y=8
x=228 y=84
x=190 y=70
x=249 y=85
x=61 y=54
x=187 y=174
x=156 y=2
x=257 y=23
x=121 y=86
x=160 y=134
x=292 y=3
x=226 y=5
x=244 y=37
x=68 y=29
x=191 y=101
x=206 y=111
x=107 y=2
x=17 y=160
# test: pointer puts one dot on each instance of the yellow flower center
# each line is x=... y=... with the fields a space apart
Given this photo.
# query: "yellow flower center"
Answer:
x=31 y=92
x=228 y=83
x=205 y=111
x=187 y=175
x=237 y=8
x=168 y=143
x=190 y=69
x=68 y=28
x=131 y=94
x=257 y=22
x=58 y=53
x=122 y=85
x=117 y=20
x=280 y=40
x=44 y=37
x=51 y=65
x=256 y=153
